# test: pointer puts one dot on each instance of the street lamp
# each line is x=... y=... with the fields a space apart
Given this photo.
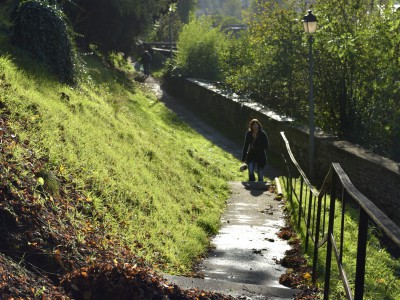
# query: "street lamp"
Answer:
x=170 y=32
x=310 y=26
x=310 y=23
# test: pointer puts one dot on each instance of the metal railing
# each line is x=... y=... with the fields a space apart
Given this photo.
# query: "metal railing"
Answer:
x=165 y=45
x=318 y=216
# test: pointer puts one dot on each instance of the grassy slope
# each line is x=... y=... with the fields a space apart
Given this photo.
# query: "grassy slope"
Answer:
x=145 y=177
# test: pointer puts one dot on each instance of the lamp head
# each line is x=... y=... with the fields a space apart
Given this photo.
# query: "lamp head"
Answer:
x=310 y=23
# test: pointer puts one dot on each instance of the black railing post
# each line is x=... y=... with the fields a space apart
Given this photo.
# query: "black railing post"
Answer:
x=301 y=200
x=344 y=199
x=361 y=254
x=315 y=258
x=309 y=219
x=324 y=220
x=287 y=179
x=330 y=237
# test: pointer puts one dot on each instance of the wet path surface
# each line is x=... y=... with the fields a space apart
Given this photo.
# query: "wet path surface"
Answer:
x=244 y=259
x=247 y=248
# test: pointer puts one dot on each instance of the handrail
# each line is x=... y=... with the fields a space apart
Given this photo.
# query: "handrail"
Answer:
x=390 y=228
x=314 y=191
x=319 y=220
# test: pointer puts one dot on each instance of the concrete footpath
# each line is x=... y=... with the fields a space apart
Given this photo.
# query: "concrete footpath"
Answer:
x=245 y=254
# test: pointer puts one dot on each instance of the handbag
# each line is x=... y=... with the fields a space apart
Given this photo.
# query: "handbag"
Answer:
x=250 y=152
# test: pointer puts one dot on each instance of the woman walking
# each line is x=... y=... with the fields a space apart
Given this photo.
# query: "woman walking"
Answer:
x=254 y=150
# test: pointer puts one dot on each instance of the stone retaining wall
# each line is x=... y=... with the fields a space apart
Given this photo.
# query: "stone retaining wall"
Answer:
x=375 y=176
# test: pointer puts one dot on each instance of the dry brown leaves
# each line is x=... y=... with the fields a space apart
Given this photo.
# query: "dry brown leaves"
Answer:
x=126 y=281
x=298 y=274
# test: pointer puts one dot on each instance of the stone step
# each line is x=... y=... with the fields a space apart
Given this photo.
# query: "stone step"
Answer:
x=234 y=289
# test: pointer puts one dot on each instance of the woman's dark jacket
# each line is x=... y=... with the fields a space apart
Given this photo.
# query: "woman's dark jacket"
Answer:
x=255 y=149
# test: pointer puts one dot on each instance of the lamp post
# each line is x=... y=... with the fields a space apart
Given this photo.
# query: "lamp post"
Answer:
x=310 y=26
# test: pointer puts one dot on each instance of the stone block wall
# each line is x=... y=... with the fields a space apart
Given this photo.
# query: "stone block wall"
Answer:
x=375 y=176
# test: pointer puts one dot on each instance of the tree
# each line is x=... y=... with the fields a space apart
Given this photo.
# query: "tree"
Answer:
x=113 y=24
x=271 y=67
x=185 y=7
x=177 y=16
x=232 y=8
x=41 y=29
x=201 y=50
x=356 y=73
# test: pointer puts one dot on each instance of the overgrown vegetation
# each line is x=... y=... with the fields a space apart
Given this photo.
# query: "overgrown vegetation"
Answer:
x=42 y=29
x=382 y=280
x=201 y=50
x=112 y=25
x=111 y=172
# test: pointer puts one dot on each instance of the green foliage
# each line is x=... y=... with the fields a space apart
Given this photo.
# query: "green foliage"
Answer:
x=161 y=30
x=358 y=59
x=266 y=64
x=48 y=181
x=238 y=64
x=113 y=25
x=185 y=8
x=120 y=62
x=201 y=50
x=170 y=24
x=356 y=68
x=6 y=8
x=221 y=21
x=41 y=29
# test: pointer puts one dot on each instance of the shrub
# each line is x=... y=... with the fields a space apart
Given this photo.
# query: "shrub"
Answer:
x=41 y=29
x=201 y=50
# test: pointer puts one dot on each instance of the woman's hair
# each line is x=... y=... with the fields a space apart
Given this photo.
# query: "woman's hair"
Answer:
x=252 y=123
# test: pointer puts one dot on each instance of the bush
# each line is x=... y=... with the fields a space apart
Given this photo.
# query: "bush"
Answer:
x=201 y=50
x=41 y=29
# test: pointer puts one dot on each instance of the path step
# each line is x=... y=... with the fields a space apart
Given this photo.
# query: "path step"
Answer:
x=234 y=289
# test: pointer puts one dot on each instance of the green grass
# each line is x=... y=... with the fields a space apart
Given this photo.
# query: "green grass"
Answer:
x=149 y=179
x=382 y=279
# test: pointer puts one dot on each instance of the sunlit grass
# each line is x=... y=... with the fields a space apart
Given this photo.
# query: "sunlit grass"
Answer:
x=382 y=280
x=149 y=179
